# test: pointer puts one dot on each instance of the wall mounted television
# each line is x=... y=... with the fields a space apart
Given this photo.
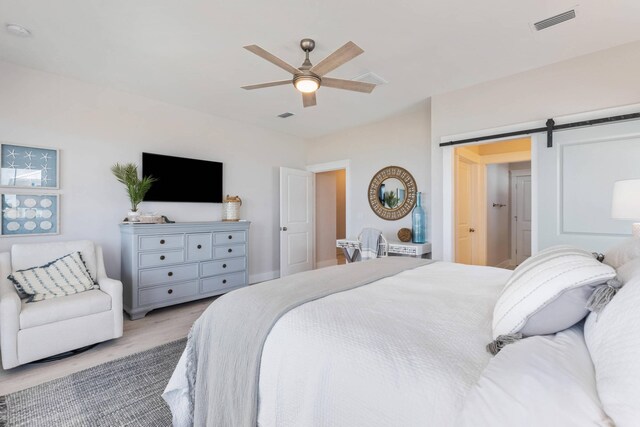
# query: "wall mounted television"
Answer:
x=182 y=180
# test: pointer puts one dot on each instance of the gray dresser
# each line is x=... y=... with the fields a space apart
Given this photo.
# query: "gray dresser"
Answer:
x=166 y=264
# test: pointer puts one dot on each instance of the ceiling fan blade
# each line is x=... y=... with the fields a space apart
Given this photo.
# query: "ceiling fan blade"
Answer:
x=348 y=85
x=271 y=58
x=269 y=84
x=345 y=54
x=309 y=99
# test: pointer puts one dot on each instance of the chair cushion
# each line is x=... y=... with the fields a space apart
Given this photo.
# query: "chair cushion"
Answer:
x=63 y=308
x=29 y=255
x=61 y=277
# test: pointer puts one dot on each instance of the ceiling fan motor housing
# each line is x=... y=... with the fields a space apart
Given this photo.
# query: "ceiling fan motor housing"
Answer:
x=307 y=44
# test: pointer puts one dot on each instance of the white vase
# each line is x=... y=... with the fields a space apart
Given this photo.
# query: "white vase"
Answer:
x=133 y=216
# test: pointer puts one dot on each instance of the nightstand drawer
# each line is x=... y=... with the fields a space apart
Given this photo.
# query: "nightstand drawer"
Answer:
x=218 y=283
x=158 y=259
x=170 y=241
x=212 y=268
x=198 y=246
x=162 y=294
x=228 y=251
x=230 y=237
x=176 y=273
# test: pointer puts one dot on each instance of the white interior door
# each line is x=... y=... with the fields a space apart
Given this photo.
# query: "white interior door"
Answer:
x=464 y=211
x=297 y=211
x=521 y=193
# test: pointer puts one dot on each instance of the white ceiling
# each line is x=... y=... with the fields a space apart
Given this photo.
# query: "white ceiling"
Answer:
x=189 y=52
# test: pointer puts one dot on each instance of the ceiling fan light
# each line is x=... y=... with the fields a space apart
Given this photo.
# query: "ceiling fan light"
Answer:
x=307 y=84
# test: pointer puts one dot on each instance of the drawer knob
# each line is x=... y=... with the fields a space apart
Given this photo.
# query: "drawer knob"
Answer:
x=170 y=291
x=224 y=281
x=230 y=237
x=230 y=250
x=224 y=265
x=170 y=273
x=162 y=242
x=199 y=246
x=161 y=257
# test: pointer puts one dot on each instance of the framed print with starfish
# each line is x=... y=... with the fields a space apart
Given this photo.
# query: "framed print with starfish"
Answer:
x=28 y=167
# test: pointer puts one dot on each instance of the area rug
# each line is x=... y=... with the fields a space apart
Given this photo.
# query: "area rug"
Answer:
x=123 y=392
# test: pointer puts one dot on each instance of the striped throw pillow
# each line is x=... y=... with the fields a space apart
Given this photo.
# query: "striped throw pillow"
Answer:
x=549 y=292
x=64 y=276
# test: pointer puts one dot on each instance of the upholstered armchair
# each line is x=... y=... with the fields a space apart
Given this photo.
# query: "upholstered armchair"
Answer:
x=33 y=331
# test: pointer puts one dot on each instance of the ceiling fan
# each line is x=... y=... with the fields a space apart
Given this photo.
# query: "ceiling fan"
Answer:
x=308 y=77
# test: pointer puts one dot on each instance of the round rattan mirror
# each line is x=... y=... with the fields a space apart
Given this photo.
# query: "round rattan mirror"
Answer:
x=392 y=193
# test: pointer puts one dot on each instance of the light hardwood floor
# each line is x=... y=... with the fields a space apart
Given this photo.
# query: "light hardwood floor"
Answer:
x=156 y=328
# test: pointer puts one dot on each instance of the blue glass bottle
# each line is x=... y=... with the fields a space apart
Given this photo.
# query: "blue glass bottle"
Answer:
x=418 y=222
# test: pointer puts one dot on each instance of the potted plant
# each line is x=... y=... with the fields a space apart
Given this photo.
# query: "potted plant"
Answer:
x=136 y=188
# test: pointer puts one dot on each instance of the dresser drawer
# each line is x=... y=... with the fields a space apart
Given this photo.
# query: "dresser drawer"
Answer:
x=230 y=237
x=176 y=273
x=162 y=294
x=228 y=251
x=156 y=259
x=212 y=268
x=169 y=241
x=198 y=246
x=218 y=283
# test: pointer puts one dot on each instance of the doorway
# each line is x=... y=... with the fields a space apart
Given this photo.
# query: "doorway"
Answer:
x=484 y=201
x=331 y=222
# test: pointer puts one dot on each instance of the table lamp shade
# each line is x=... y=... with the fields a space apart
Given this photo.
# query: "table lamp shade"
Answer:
x=626 y=202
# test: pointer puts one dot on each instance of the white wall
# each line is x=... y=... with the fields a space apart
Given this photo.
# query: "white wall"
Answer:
x=498 y=221
x=95 y=127
x=326 y=218
x=402 y=140
x=601 y=80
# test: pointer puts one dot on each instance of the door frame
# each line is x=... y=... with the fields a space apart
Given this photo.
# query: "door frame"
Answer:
x=512 y=188
x=448 y=189
x=333 y=166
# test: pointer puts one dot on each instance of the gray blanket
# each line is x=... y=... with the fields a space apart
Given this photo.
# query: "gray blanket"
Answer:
x=225 y=344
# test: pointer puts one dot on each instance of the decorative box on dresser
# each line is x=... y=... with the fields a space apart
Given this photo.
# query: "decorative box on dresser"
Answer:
x=167 y=264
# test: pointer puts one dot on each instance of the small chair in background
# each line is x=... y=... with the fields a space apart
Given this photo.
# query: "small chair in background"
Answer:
x=369 y=244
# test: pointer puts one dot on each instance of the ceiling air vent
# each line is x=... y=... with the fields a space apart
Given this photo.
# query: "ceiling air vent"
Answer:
x=370 y=77
x=555 y=20
x=285 y=115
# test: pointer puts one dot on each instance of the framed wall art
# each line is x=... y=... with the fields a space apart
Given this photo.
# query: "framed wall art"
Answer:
x=30 y=214
x=28 y=167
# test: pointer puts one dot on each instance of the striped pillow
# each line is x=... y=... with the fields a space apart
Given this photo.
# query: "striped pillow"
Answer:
x=64 y=276
x=549 y=292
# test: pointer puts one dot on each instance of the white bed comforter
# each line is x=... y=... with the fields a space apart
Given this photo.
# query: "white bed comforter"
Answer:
x=402 y=351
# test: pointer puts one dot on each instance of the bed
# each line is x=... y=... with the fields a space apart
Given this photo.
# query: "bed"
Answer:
x=408 y=349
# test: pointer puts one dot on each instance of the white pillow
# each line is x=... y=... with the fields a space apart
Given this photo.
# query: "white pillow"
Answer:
x=622 y=253
x=538 y=381
x=613 y=339
x=548 y=292
x=64 y=276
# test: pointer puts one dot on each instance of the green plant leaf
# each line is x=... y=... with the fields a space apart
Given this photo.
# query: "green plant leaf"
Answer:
x=127 y=174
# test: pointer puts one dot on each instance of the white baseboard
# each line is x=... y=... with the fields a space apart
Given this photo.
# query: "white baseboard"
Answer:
x=263 y=277
x=326 y=263
x=505 y=264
